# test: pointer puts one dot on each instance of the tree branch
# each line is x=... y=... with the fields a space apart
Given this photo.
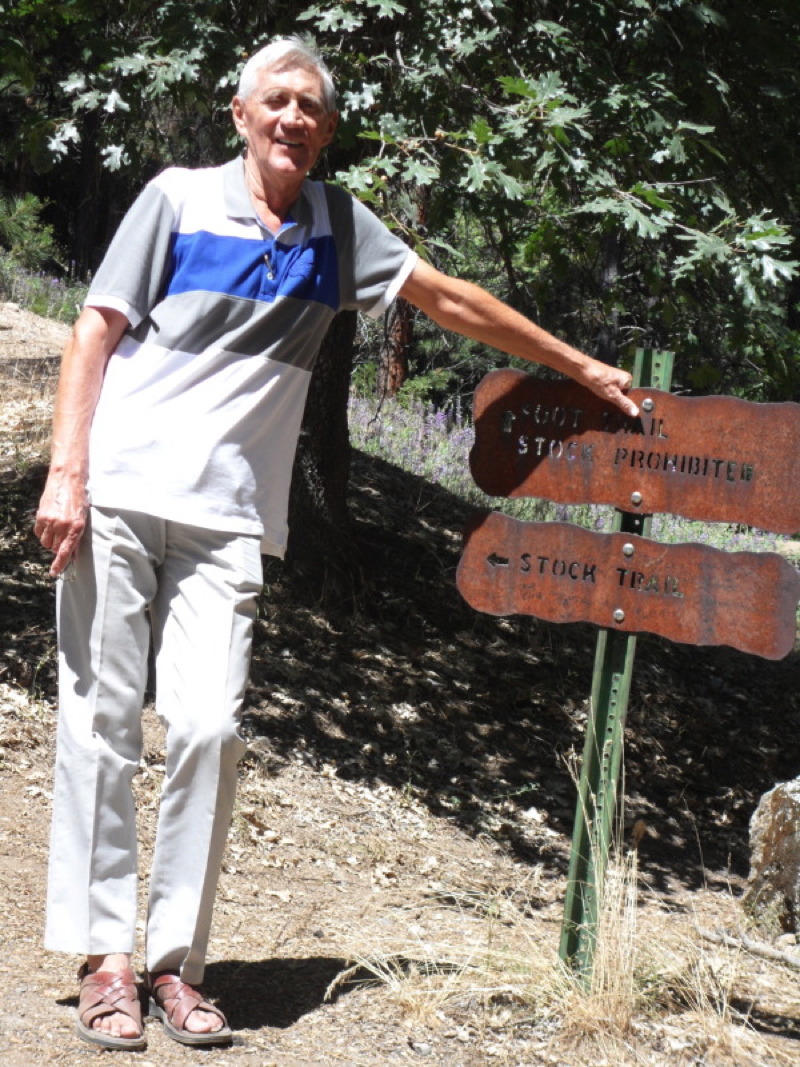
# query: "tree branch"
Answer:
x=755 y=948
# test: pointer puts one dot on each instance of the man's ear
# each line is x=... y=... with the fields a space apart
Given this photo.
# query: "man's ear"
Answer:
x=237 y=113
x=333 y=122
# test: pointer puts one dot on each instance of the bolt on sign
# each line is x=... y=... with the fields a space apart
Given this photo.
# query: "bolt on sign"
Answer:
x=714 y=458
x=689 y=593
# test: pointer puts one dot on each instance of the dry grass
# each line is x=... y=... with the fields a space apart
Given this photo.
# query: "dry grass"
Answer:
x=607 y=1000
x=655 y=996
x=26 y=427
x=30 y=349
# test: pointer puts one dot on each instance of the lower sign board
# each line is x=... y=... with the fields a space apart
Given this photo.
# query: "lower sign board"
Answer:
x=716 y=458
x=688 y=592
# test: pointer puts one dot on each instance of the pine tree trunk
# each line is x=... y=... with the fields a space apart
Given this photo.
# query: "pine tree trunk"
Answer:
x=393 y=364
x=86 y=211
x=321 y=550
x=607 y=345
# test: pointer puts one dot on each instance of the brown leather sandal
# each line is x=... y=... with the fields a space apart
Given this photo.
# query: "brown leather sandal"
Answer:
x=172 y=1001
x=106 y=993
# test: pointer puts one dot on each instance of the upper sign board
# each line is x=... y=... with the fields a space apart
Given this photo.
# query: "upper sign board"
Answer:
x=713 y=458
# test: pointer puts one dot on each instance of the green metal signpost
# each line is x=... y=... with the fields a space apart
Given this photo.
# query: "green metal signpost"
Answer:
x=593 y=831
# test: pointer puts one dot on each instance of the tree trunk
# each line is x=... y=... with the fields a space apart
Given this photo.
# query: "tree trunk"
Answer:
x=321 y=549
x=393 y=360
x=607 y=345
x=86 y=212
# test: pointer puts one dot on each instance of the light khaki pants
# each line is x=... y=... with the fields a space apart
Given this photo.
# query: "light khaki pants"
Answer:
x=197 y=588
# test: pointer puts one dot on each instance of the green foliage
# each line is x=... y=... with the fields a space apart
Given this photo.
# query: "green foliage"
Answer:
x=617 y=159
x=53 y=298
x=429 y=387
x=364 y=379
x=82 y=74
x=624 y=173
x=27 y=239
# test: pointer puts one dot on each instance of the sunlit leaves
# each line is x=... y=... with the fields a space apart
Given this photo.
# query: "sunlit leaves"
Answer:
x=335 y=18
x=114 y=156
x=349 y=16
x=361 y=99
x=630 y=212
x=628 y=164
x=482 y=173
x=607 y=135
x=419 y=172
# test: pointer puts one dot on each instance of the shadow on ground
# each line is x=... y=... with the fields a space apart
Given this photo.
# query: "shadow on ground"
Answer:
x=480 y=718
x=273 y=993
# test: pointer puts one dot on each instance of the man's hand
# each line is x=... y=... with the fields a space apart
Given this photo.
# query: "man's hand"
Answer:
x=61 y=519
x=610 y=383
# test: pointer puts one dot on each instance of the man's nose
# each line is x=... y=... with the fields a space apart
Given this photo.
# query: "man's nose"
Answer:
x=293 y=112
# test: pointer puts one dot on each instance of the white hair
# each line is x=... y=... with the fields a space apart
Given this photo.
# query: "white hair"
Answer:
x=287 y=53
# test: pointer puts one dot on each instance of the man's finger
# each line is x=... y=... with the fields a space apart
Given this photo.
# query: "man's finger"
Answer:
x=42 y=530
x=63 y=558
x=627 y=405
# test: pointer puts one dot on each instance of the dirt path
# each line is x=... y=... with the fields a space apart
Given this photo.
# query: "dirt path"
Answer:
x=405 y=810
x=313 y=865
x=321 y=871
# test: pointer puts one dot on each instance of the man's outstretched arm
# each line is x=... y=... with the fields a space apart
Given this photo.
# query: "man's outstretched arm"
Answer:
x=469 y=310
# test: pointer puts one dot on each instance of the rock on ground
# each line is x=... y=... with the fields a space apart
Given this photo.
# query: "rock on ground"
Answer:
x=773 y=895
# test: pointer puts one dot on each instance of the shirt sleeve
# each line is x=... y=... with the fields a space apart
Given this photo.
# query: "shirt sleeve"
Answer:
x=373 y=262
x=132 y=275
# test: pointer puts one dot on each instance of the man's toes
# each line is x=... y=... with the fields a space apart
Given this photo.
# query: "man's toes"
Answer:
x=202 y=1022
x=116 y=1025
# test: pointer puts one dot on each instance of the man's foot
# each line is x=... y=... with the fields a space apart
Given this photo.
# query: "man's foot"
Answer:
x=109 y=1011
x=186 y=1016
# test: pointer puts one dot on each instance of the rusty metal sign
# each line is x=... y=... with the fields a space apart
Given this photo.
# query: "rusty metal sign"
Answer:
x=713 y=458
x=689 y=592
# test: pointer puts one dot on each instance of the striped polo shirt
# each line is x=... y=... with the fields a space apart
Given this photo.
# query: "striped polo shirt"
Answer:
x=202 y=401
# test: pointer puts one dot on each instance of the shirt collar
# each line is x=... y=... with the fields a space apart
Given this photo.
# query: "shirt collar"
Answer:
x=237 y=199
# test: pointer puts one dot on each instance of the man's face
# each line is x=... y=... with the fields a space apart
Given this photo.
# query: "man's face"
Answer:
x=285 y=124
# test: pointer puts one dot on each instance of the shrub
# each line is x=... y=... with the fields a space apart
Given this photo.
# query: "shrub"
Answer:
x=53 y=298
x=27 y=240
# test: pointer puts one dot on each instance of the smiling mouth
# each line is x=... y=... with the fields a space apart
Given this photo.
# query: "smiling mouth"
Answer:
x=289 y=144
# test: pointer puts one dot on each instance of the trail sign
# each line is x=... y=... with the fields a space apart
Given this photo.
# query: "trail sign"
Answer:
x=690 y=593
x=715 y=458
x=712 y=458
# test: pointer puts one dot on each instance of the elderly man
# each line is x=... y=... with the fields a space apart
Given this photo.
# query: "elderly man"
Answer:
x=177 y=416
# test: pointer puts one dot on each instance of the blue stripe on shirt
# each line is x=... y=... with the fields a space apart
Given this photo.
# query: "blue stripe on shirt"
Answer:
x=206 y=262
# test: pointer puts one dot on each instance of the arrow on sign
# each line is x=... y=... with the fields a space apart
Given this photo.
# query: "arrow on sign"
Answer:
x=497 y=561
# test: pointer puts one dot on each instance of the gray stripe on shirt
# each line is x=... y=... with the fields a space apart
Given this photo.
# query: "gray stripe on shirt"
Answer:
x=288 y=330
